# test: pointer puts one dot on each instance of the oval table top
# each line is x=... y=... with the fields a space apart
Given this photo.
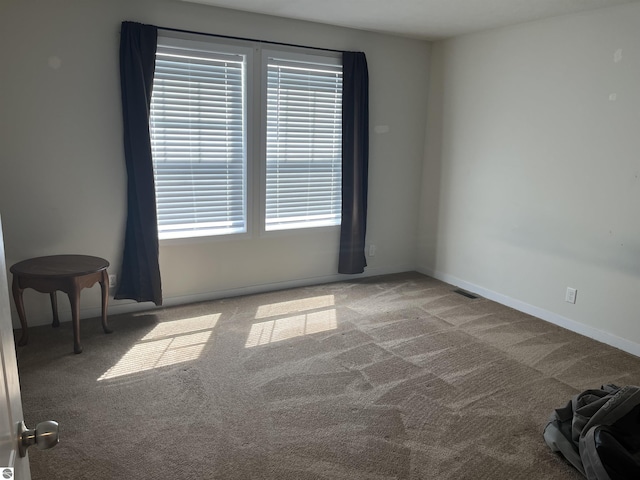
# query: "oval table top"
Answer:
x=59 y=266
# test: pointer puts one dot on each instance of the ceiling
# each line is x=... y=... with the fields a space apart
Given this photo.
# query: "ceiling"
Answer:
x=425 y=19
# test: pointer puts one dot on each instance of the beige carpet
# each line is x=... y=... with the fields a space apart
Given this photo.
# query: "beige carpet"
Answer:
x=389 y=377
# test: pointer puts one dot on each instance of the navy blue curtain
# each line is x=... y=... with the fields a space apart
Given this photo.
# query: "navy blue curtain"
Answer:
x=355 y=162
x=140 y=272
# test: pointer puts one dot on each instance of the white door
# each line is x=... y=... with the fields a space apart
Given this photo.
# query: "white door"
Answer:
x=10 y=402
x=45 y=434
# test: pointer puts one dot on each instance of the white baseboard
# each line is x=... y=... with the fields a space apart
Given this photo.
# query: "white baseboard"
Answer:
x=551 y=317
x=130 y=306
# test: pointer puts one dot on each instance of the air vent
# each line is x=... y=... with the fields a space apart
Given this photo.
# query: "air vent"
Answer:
x=464 y=293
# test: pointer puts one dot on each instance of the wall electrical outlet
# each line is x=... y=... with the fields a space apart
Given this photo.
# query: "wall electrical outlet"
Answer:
x=571 y=295
x=113 y=280
x=372 y=250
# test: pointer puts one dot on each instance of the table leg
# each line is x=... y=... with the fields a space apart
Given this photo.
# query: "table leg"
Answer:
x=17 y=298
x=104 y=286
x=54 y=308
x=74 y=299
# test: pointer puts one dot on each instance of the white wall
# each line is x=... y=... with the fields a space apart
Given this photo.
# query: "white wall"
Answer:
x=62 y=173
x=532 y=169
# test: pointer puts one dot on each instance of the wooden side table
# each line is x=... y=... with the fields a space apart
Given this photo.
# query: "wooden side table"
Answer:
x=67 y=273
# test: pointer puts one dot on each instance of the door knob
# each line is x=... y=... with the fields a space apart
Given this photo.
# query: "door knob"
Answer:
x=44 y=436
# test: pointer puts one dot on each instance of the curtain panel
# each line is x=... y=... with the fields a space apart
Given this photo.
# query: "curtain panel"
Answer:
x=140 y=272
x=355 y=162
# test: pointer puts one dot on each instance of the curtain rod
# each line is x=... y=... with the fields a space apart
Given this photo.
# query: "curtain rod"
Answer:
x=248 y=39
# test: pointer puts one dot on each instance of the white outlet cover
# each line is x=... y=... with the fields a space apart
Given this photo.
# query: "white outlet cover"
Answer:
x=571 y=295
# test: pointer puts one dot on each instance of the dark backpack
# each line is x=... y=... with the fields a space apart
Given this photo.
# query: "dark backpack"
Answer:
x=598 y=432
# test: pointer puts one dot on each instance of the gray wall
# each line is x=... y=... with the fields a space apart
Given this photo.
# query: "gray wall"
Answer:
x=532 y=169
x=531 y=178
x=63 y=179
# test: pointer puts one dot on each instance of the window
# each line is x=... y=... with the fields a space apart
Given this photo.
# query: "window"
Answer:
x=198 y=140
x=304 y=144
x=202 y=132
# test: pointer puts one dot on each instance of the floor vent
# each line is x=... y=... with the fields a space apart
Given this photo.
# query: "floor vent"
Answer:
x=464 y=293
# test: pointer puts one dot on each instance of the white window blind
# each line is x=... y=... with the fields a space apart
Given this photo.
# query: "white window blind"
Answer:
x=304 y=144
x=198 y=141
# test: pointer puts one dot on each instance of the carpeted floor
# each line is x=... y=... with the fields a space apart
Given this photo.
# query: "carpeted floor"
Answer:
x=382 y=378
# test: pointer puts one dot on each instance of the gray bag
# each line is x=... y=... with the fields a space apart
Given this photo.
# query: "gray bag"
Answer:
x=598 y=432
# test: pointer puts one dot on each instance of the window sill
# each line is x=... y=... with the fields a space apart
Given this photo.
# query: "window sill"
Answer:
x=170 y=242
x=329 y=229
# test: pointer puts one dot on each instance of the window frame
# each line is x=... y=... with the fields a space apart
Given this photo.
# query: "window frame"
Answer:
x=224 y=48
x=299 y=54
x=255 y=135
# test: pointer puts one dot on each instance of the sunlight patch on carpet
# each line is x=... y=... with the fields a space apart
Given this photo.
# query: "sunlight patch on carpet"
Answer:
x=295 y=306
x=280 y=329
x=167 y=344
